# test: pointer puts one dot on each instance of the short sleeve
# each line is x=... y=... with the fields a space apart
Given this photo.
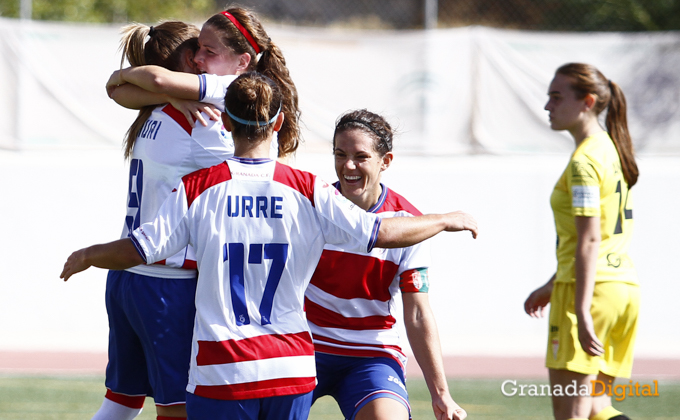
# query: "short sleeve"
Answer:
x=584 y=186
x=212 y=88
x=168 y=233
x=342 y=222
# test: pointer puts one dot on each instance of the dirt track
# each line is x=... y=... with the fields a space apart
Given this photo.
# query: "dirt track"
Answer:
x=51 y=363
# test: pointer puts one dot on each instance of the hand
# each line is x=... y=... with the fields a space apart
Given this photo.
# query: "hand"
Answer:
x=192 y=110
x=445 y=408
x=586 y=336
x=458 y=221
x=537 y=301
x=76 y=263
x=114 y=81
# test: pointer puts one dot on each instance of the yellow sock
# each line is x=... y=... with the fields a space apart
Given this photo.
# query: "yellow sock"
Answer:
x=606 y=413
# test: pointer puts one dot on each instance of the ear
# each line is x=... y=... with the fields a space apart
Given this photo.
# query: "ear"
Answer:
x=387 y=161
x=226 y=122
x=279 y=121
x=188 y=65
x=589 y=101
x=243 y=63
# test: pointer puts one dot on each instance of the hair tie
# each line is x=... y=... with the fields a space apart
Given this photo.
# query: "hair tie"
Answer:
x=243 y=31
x=247 y=122
x=370 y=127
x=152 y=31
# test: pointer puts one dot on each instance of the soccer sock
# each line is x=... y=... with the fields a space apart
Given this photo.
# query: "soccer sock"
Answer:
x=111 y=410
x=609 y=413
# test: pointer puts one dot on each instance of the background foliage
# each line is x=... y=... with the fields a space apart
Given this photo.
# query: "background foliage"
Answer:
x=552 y=15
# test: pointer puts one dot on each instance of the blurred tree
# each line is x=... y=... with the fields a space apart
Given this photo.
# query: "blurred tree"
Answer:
x=546 y=15
x=148 y=11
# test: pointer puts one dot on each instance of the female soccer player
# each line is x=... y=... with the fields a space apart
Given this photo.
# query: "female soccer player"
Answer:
x=258 y=228
x=594 y=294
x=163 y=146
x=350 y=301
x=230 y=43
x=146 y=358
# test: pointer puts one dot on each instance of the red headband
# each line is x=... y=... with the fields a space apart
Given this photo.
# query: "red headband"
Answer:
x=243 y=31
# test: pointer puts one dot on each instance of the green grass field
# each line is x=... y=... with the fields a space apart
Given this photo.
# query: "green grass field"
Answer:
x=66 y=398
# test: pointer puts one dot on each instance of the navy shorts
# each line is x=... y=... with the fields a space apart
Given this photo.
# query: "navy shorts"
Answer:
x=151 y=323
x=287 y=407
x=355 y=381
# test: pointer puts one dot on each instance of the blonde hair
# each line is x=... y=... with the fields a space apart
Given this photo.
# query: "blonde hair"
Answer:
x=166 y=45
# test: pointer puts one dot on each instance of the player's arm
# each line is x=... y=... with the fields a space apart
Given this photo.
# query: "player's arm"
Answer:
x=423 y=336
x=587 y=249
x=116 y=255
x=537 y=301
x=158 y=79
x=132 y=96
x=400 y=232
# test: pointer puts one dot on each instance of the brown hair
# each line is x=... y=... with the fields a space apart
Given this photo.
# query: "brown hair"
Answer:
x=255 y=98
x=371 y=123
x=270 y=63
x=165 y=47
x=589 y=80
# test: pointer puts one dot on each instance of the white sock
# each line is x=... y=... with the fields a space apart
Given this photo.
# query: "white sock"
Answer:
x=113 y=411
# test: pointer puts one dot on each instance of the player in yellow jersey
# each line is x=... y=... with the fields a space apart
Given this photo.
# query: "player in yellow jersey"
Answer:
x=594 y=294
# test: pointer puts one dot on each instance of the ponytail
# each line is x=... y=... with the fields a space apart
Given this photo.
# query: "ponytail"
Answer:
x=586 y=79
x=166 y=44
x=617 y=125
x=253 y=103
x=273 y=65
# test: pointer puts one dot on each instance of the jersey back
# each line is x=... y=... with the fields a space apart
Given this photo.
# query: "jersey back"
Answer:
x=258 y=228
x=166 y=149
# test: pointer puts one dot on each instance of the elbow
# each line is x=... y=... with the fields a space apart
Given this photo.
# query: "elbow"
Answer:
x=158 y=83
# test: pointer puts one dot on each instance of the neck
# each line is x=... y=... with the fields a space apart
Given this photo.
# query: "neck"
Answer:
x=252 y=150
x=369 y=200
x=582 y=132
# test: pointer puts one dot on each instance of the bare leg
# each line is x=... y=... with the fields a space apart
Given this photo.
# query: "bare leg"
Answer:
x=573 y=406
x=383 y=409
x=179 y=410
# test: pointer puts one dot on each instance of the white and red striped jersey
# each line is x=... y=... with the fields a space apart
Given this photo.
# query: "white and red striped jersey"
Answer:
x=167 y=148
x=258 y=228
x=350 y=301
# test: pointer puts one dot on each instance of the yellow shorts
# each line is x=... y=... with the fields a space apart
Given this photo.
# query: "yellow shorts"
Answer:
x=614 y=309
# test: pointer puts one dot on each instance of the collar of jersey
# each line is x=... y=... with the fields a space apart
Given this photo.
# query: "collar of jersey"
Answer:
x=251 y=161
x=381 y=199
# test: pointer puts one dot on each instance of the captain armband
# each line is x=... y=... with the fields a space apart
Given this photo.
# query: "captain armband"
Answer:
x=414 y=281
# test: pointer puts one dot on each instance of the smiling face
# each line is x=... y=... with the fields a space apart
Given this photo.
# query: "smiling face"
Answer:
x=359 y=166
x=566 y=111
x=213 y=57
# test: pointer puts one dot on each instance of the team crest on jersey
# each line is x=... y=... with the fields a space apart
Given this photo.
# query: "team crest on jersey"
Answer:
x=613 y=260
x=580 y=171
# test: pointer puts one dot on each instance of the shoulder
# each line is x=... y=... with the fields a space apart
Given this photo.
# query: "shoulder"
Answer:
x=394 y=202
x=296 y=179
x=596 y=149
x=198 y=181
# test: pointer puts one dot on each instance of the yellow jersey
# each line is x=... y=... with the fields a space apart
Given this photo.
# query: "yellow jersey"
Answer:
x=593 y=185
